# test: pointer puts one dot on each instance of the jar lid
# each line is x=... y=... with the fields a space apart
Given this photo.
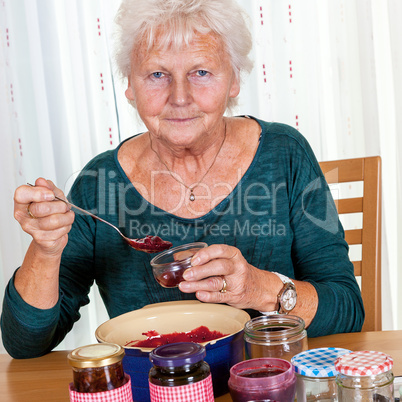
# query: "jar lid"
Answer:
x=177 y=354
x=364 y=363
x=96 y=355
x=318 y=362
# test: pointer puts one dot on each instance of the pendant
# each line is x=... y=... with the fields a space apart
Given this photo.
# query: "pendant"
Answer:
x=192 y=196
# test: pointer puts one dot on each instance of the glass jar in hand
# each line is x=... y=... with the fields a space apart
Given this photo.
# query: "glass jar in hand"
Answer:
x=168 y=267
x=97 y=368
x=180 y=373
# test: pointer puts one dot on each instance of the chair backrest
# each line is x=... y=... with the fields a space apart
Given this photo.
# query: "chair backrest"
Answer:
x=368 y=171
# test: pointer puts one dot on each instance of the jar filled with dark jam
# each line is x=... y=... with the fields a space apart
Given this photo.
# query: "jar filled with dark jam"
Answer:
x=179 y=371
x=97 y=368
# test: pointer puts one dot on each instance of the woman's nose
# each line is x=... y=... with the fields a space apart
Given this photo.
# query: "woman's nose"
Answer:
x=180 y=92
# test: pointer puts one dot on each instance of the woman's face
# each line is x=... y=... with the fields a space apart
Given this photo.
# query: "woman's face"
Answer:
x=182 y=94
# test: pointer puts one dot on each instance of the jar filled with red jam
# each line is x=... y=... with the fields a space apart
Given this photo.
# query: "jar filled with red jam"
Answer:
x=97 y=368
x=262 y=379
x=179 y=372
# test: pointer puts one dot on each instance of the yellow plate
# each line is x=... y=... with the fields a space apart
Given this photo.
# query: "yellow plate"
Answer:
x=168 y=317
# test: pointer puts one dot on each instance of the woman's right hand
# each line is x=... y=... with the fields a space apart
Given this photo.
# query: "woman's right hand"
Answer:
x=50 y=220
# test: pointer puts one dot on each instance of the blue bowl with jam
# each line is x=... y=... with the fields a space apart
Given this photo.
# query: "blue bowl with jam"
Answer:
x=177 y=317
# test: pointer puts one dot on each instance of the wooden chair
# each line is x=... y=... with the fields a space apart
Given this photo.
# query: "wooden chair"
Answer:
x=368 y=171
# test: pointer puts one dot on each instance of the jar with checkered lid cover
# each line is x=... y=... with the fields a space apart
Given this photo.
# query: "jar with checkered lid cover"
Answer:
x=180 y=374
x=365 y=376
x=315 y=372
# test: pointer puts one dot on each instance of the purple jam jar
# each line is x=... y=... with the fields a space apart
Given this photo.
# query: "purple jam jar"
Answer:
x=262 y=379
x=179 y=373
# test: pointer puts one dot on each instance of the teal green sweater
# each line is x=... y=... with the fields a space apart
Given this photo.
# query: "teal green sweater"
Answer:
x=281 y=216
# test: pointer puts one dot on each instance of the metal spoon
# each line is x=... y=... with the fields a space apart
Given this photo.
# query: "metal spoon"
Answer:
x=148 y=244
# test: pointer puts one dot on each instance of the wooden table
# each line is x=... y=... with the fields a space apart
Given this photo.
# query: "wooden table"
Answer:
x=46 y=379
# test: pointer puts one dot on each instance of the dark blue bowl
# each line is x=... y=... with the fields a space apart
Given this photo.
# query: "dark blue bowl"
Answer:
x=222 y=353
x=221 y=356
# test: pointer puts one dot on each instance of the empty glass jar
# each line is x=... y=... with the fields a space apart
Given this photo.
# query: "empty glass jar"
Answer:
x=281 y=336
x=315 y=372
x=365 y=376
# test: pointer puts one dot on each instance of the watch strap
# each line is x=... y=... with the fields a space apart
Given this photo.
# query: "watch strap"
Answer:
x=283 y=278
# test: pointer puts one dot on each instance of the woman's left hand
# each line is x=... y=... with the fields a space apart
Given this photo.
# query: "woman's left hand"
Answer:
x=246 y=285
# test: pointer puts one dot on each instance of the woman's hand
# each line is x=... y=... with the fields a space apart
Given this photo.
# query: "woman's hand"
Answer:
x=46 y=220
x=246 y=285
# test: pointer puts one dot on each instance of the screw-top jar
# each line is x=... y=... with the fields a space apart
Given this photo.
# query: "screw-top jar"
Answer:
x=365 y=375
x=97 y=368
x=180 y=373
x=315 y=372
x=279 y=335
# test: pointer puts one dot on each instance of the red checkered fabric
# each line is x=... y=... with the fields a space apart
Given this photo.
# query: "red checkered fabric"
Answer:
x=121 y=394
x=364 y=363
x=200 y=391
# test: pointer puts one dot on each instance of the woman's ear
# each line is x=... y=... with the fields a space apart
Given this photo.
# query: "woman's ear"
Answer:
x=129 y=91
x=235 y=87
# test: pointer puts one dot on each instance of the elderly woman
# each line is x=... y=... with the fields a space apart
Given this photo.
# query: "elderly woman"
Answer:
x=252 y=190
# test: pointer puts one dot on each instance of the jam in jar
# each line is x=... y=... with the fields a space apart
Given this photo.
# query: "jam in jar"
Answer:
x=262 y=379
x=97 y=368
x=168 y=267
x=178 y=372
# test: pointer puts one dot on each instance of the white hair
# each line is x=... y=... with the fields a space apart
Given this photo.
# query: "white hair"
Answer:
x=139 y=20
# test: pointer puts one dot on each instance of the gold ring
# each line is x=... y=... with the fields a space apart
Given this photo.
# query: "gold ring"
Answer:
x=30 y=213
x=224 y=285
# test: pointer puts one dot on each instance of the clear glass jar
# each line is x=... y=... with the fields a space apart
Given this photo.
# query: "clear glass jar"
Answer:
x=97 y=368
x=279 y=335
x=262 y=379
x=365 y=376
x=168 y=267
x=315 y=372
x=180 y=365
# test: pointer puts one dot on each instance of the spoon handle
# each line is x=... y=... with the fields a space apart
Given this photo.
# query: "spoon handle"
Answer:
x=85 y=212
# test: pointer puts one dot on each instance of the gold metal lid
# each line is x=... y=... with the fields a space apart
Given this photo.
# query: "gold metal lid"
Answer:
x=96 y=355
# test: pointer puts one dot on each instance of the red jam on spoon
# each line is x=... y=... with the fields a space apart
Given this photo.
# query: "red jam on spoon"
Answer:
x=149 y=244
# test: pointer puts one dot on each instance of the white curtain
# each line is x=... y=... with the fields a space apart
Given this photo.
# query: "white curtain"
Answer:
x=330 y=68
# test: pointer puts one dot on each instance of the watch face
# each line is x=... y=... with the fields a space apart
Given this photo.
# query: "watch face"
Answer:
x=288 y=299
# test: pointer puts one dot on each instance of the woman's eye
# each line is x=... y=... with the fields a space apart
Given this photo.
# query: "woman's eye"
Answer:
x=158 y=74
x=202 y=73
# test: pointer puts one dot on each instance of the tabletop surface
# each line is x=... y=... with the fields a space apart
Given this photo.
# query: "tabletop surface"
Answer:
x=46 y=378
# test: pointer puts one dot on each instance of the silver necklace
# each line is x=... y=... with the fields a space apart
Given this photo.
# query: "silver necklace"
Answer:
x=191 y=188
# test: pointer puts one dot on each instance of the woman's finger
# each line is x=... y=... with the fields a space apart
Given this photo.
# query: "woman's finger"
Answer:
x=43 y=209
x=213 y=252
x=211 y=268
x=211 y=284
x=26 y=194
